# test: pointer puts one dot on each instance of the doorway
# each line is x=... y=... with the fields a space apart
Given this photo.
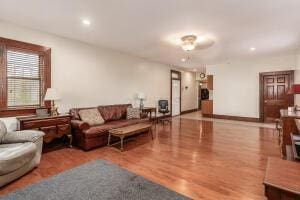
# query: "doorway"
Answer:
x=199 y=95
x=175 y=93
x=273 y=88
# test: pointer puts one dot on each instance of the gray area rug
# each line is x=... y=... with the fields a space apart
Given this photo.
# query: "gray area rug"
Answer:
x=95 y=180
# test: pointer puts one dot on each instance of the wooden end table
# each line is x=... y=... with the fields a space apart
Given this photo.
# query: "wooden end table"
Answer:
x=150 y=110
x=129 y=131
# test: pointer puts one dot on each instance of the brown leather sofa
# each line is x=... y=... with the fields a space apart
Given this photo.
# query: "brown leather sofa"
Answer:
x=88 y=137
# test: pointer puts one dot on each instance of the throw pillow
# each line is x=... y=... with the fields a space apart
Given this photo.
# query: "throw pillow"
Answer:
x=3 y=130
x=133 y=113
x=91 y=116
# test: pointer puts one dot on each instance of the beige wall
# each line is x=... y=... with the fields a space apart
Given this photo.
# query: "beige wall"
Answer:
x=236 y=84
x=87 y=75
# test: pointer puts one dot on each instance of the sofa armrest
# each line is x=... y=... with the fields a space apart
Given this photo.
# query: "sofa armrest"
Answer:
x=78 y=124
x=22 y=136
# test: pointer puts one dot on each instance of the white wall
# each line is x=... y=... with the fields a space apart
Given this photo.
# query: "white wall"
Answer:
x=236 y=84
x=189 y=96
x=87 y=75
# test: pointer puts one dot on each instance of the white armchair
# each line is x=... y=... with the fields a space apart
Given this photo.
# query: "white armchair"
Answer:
x=20 y=152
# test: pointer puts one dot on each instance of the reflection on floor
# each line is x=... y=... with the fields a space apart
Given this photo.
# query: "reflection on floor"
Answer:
x=198 y=116
x=200 y=159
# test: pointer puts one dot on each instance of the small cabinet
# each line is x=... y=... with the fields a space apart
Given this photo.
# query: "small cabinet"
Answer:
x=207 y=108
x=210 y=82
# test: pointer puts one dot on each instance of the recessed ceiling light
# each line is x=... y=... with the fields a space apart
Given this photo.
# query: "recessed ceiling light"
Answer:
x=183 y=60
x=86 y=22
x=252 y=49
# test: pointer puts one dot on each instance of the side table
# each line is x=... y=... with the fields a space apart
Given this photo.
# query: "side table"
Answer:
x=150 y=110
x=53 y=126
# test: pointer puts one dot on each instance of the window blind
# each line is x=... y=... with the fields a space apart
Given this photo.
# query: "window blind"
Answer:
x=24 y=78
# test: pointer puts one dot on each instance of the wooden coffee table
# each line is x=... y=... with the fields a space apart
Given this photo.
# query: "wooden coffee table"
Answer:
x=129 y=131
x=282 y=179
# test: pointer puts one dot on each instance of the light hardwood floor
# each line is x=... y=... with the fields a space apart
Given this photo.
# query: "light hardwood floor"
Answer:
x=200 y=159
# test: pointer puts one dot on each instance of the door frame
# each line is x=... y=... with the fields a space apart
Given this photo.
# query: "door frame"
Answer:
x=171 y=78
x=199 y=95
x=261 y=88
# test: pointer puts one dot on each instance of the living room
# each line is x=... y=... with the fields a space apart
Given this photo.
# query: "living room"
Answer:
x=110 y=93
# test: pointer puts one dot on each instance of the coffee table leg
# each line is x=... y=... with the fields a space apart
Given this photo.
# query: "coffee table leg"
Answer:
x=122 y=140
x=151 y=132
x=108 y=142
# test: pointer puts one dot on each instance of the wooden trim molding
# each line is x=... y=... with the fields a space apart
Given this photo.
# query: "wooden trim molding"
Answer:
x=23 y=45
x=236 y=118
x=44 y=52
x=189 y=111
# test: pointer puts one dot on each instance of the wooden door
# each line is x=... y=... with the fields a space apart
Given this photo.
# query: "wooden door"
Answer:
x=275 y=86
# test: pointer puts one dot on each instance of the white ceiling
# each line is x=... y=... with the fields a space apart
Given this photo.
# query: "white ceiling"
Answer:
x=147 y=28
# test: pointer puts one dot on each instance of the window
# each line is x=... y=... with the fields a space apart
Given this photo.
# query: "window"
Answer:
x=24 y=78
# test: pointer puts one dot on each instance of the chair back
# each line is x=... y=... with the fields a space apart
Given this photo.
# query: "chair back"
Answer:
x=163 y=104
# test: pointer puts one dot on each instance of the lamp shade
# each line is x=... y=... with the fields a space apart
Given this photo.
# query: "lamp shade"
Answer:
x=295 y=89
x=141 y=95
x=51 y=95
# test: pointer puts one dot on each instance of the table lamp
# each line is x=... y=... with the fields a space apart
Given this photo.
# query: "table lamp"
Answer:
x=295 y=89
x=52 y=95
x=141 y=97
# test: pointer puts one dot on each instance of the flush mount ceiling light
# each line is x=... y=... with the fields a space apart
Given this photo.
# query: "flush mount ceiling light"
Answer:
x=252 y=49
x=188 y=42
x=86 y=22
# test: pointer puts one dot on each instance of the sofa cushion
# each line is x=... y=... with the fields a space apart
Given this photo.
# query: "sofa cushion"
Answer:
x=113 y=112
x=74 y=112
x=3 y=130
x=11 y=123
x=14 y=156
x=133 y=113
x=22 y=136
x=91 y=116
x=98 y=131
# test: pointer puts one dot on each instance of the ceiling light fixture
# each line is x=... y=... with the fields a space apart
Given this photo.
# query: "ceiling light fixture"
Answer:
x=86 y=22
x=185 y=59
x=252 y=49
x=188 y=42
